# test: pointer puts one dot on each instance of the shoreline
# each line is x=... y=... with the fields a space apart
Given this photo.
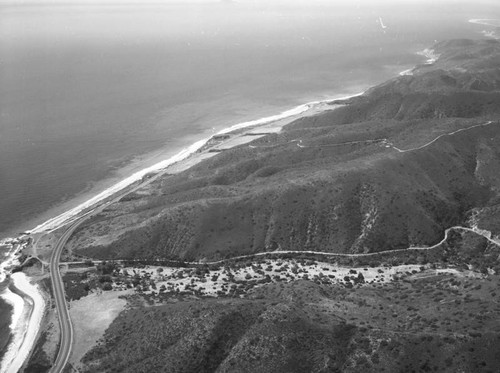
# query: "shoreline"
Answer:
x=291 y=114
x=493 y=22
x=153 y=162
x=428 y=53
x=28 y=312
x=184 y=159
x=26 y=320
x=488 y=22
x=16 y=304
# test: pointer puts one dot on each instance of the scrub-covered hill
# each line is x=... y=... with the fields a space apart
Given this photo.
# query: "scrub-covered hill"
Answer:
x=437 y=324
x=390 y=169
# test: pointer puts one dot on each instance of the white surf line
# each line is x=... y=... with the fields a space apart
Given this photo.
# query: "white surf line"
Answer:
x=493 y=23
x=437 y=138
x=428 y=53
x=24 y=341
x=486 y=21
x=20 y=314
x=286 y=114
x=16 y=246
x=16 y=302
x=63 y=219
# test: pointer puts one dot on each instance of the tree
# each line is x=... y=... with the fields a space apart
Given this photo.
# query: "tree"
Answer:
x=105 y=278
x=106 y=268
x=360 y=279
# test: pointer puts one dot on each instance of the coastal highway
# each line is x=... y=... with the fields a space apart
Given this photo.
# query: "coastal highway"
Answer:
x=66 y=341
x=58 y=285
x=65 y=325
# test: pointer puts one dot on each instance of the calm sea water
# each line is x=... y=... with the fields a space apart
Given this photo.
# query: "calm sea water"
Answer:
x=89 y=92
x=86 y=90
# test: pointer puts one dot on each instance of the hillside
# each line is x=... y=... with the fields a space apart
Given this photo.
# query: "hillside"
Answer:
x=364 y=177
x=362 y=239
x=441 y=324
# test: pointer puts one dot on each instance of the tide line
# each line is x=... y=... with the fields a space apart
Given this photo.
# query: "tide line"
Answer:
x=65 y=217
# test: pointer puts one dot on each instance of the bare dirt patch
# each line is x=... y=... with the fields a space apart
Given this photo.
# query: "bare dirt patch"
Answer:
x=91 y=316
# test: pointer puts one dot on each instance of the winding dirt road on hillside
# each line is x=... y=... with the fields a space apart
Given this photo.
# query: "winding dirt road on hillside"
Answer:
x=383 y=141
x=58 y=285
x=486 y=234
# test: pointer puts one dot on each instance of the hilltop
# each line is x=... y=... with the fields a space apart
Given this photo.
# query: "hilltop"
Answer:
x=306 y=327
x=341 y=181
x=364 y=238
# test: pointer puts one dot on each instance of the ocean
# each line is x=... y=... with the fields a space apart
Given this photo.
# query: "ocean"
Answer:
x=91 y=92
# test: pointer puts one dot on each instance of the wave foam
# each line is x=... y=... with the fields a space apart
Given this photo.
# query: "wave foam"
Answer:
x=486 y=22
x=10 y=258
x=28 y=317
x=17 y=303
x=71 y=214
x=66 y=217
x=490 y=23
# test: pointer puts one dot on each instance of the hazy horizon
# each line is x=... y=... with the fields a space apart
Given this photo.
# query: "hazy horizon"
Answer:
x=93 y=91
x=88 y=88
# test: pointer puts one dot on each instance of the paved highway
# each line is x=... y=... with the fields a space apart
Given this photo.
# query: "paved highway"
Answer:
x=66 y=341
x=66 y=327
x=58 y=285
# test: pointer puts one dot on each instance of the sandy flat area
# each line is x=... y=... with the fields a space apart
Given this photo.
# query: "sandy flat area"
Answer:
x=91 y=316
x=243 y=136
x=27 y=323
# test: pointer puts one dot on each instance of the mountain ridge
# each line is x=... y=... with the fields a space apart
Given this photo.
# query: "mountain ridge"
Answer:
x=329 y=182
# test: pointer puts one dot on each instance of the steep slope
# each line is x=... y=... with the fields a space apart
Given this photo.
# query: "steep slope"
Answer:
x=418 y=325
x=365 y=177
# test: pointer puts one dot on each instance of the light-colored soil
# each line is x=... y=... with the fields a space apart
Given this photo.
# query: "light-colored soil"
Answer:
x=224 y=281
x=97 y=234
x=91 y=316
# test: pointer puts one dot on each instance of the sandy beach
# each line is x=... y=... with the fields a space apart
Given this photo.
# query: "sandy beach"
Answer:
x=27 y=300
x=28 y=309
x=192 y=155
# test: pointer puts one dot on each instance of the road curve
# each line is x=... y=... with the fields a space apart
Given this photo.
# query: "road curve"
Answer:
x=65 y=325
x=486 y=234
x=66 y=341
